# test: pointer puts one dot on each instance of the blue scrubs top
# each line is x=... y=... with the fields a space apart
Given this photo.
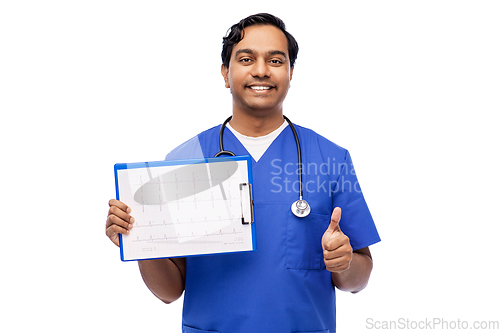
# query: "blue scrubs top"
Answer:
x=283 y=286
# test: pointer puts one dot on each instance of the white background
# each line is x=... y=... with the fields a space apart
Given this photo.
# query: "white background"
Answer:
x=409 y=87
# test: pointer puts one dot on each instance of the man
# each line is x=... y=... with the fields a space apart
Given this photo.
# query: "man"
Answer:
x=288 y=283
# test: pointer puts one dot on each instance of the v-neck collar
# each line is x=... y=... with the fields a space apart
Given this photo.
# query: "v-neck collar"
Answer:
x=240 y=149
x=258 y=145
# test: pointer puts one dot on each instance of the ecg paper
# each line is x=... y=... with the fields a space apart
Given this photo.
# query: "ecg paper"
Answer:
x=184 y=208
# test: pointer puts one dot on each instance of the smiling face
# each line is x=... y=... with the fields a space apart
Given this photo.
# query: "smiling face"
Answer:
x=259 y=72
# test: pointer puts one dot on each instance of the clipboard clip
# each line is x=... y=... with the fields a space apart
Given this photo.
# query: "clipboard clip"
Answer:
x=246 y=203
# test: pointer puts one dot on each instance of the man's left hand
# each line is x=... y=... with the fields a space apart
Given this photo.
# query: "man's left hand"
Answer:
x=337 y=250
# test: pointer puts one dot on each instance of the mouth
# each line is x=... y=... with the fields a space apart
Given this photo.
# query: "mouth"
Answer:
x=260 y=87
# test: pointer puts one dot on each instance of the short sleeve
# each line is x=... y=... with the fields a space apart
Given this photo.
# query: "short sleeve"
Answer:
x=189 y=149
x=356 y=220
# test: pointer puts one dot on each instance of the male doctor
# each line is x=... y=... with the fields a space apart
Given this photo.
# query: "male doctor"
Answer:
x=287 y=284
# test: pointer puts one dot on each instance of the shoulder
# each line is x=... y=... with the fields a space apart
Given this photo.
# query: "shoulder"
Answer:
x=315 y=140
x=194 y=147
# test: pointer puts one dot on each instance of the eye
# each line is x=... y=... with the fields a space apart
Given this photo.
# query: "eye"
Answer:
x=245 y=60
x=276 y=61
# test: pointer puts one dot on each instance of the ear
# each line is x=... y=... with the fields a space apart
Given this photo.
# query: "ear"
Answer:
x=225 y=72
x=291 y=73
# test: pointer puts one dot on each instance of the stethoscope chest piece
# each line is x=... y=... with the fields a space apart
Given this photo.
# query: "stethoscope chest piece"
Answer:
x=301 y=208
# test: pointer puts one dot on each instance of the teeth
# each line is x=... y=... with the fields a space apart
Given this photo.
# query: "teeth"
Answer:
x=260 y=88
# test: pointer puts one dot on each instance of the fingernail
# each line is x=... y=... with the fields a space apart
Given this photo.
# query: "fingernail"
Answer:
x=132 y=220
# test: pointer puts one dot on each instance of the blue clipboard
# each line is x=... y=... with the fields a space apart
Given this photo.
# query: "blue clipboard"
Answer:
x=187 y=207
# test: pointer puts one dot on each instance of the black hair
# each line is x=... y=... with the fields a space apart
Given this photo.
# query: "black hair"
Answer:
x=237 y=32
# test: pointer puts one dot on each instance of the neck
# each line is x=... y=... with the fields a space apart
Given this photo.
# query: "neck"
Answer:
x=253 y=126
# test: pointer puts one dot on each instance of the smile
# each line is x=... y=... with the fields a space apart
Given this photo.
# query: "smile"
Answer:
x=260 y=87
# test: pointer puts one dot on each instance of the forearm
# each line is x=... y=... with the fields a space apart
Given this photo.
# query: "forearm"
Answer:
x=356 y=277
x=164 y=277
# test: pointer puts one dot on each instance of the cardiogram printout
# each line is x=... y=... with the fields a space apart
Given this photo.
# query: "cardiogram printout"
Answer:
x=187 y=207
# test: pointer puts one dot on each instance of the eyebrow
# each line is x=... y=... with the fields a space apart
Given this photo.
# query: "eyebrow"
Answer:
x=250 y=51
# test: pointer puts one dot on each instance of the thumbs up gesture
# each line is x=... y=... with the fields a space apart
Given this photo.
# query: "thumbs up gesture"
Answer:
x=337 y=250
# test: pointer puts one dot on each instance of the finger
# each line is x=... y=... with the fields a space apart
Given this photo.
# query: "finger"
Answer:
x=334 y=220
x=336 y=242
x=114 y=210
x=336 y=249
x=119 y=204
x=116 y=229
x=337 y=265
x=115 y=220
x=330 y=250
x=113 y=231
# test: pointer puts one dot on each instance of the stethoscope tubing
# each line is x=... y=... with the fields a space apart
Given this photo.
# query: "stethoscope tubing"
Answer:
x=299 y=154
x=298 y=211
x=221 y=143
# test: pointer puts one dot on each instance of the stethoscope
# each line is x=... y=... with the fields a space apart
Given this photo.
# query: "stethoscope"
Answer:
x=300 y=208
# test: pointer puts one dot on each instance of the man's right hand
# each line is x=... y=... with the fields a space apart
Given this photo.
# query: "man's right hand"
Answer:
x=119 y=221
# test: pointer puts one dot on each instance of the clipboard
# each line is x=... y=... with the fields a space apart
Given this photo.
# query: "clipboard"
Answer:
x=187 y=207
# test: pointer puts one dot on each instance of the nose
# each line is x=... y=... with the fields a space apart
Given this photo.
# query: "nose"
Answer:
x=260 y=69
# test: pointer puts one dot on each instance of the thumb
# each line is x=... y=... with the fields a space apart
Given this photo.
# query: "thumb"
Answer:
x=334 y=221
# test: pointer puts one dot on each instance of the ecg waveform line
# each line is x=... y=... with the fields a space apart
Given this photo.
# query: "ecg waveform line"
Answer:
x=150 y=224
x=165 y=238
